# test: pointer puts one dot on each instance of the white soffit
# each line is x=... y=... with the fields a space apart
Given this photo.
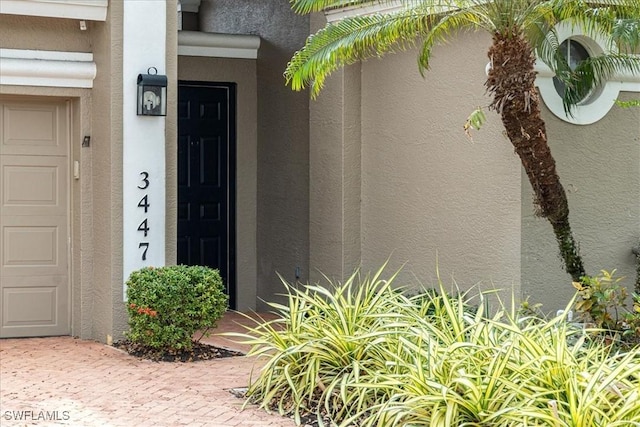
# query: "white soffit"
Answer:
x=369 y=9
x=196 y=43
x=382 y=7
x=92 y=10
x=46 y=68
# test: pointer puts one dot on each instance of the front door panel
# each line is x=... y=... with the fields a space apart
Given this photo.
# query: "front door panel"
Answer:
x=206 y=165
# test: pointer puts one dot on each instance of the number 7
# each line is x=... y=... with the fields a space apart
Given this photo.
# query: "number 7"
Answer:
x=144 y=245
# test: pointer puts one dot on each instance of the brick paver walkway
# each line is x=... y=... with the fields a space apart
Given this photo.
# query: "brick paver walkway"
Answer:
x=85 y=383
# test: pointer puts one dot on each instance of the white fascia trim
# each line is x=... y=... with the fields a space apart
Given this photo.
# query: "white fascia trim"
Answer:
x=46 y=68
x=382 y=7
x=363 y=10
x=196 y=43
x=92 y=10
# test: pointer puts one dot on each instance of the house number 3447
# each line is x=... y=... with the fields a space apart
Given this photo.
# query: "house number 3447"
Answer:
x=144 y=204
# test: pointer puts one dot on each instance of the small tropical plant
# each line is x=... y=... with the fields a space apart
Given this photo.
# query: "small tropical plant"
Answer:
x=603 y=299
x=167 y=305
x=360 y=353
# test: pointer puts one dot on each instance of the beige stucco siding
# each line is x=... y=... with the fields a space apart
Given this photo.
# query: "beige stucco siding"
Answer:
x=30 y=32
x=106 y=149
x=599 y=165
x=430 y=197
x=335 y=174
x=242 y=72
x=171 y=138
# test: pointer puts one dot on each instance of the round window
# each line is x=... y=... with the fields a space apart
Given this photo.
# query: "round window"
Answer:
x=576 y=45
x=574 y=52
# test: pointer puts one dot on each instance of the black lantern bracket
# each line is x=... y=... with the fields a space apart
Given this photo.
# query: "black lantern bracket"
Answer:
x=152 y=93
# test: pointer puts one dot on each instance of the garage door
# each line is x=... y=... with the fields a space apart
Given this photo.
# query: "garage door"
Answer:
x=34 y=236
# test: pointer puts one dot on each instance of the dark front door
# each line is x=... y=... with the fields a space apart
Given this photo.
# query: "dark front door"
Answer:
x=206 y=178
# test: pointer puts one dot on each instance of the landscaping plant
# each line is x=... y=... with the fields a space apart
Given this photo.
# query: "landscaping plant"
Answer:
x=324 y=347
x=522 y=31
x=167 y=305
x=602 y=299
x=360 y=353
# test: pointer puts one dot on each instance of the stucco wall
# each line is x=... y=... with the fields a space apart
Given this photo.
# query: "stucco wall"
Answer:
x=106 y=187
x=430 y=197
x=171 y=138
x=30 y=32
x=599 y=166
x=283 y=135
x=335 y=174
x=242 y=72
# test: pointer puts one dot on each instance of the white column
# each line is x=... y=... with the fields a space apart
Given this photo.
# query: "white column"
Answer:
x=143 y=192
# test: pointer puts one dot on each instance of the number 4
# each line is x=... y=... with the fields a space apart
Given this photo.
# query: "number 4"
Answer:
x=144 y=203
x=144 y=227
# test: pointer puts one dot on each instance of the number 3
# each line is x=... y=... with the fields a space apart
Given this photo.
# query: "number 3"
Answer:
x=145 y=180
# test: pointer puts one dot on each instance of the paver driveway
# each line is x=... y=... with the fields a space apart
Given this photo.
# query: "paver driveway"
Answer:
x=85 y=383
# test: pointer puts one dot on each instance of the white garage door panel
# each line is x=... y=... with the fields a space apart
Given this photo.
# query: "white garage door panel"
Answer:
x=33 y=185
x=34 y=129
x=37 y=249
x=34 y=234
x=20 y=304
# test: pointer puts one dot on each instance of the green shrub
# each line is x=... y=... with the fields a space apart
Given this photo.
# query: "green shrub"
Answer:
x=603 y=301
x=359 y=353
x=168 y=305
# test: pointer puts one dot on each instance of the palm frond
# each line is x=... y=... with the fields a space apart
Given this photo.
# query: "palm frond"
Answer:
x=605 y=17
x=352 y=39
x=626 y=34
x=593 y=73
x=441 y=30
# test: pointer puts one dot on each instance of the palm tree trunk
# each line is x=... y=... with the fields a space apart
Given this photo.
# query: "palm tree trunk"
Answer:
x=512 y=82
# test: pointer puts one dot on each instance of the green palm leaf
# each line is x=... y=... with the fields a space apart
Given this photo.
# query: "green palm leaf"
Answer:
x=350 y=40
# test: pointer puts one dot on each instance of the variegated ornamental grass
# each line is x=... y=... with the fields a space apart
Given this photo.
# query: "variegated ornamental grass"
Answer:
x=363 y=353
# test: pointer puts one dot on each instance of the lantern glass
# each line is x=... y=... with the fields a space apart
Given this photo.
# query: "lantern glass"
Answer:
x=152 y=95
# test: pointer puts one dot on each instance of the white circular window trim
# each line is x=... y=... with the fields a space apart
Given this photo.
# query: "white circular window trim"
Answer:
x=598 y=104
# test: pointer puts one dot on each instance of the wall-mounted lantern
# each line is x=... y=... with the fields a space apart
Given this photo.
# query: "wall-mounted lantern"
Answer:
x=152 y=93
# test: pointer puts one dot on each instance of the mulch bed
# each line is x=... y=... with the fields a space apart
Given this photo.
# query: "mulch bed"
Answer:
x=200 y=351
